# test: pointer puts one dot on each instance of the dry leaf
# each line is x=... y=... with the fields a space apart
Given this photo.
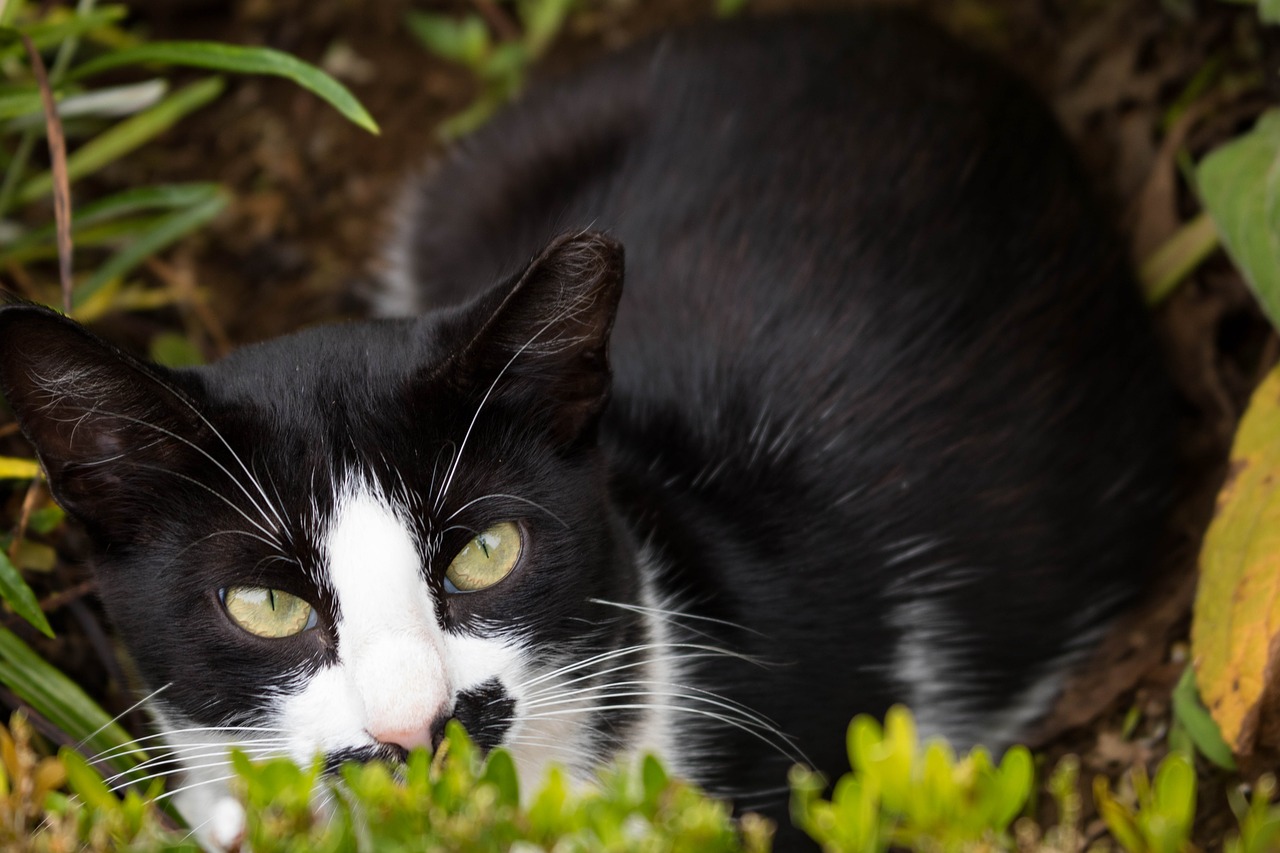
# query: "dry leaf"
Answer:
x=1235 y=632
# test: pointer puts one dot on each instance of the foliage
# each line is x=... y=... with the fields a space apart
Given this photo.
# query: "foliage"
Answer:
x=1193 y=730
x=1259 y=820
x=115 y=235
x=1237 y=609
x=499 y=62
x=900 y=793
x=1239 y=184
x=464 y=802
x=61 y=804
x=1157 y=817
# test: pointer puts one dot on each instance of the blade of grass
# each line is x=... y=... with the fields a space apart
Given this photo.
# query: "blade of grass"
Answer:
x=18 y=469
x=170 y=228
x=129 y=134
x=240 y=60
x=46 y=34
x=1177 y=258
x=17 y=167
x=113 y=207
x=14 y=590
x=59 y=699
x=112 y=235
x=58 y=160
x=111 y=102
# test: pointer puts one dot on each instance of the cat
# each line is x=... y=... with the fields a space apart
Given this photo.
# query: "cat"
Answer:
x=876 y=417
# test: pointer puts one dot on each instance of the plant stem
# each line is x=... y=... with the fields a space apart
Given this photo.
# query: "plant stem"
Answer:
x=18 y=165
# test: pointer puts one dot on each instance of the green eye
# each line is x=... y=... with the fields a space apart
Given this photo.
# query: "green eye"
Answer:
x=270 y=613
x=485 y=560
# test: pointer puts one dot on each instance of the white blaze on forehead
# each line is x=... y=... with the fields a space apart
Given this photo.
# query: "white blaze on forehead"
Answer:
x=390 y=645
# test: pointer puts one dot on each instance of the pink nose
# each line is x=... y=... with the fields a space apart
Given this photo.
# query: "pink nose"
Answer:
x=409 y=738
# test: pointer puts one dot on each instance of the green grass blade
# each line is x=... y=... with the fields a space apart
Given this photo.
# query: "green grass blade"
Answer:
x=46 y=34
x=239 y=60
x=15 y=591
x=59 y=700
x=20 y=103
x=169 y=229
x=129 y=134
x=113 y=208
x=1177 y=258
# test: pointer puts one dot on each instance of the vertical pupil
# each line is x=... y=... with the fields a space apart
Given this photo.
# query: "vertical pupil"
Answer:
x=484 y=546
x=271 y=598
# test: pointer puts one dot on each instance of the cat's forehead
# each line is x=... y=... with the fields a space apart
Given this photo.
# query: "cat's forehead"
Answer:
x=350 y=357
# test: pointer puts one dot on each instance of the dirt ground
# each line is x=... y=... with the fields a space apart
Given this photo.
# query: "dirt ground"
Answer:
x=312 y=193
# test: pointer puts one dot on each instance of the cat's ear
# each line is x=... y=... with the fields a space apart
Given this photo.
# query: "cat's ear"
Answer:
x=103 y=424
x=545 y=336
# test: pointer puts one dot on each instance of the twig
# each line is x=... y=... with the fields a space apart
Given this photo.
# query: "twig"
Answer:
x=180 y=280
x=64 y=597
x=58 y=158
x=498 y=19
x=28 y=506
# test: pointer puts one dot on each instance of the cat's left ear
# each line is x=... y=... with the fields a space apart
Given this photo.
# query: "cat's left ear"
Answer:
x=544 y=337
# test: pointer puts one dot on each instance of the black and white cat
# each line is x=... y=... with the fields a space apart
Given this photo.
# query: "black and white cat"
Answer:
x=876 y=418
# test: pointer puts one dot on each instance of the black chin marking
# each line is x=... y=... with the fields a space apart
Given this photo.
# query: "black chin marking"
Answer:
x=486 y=712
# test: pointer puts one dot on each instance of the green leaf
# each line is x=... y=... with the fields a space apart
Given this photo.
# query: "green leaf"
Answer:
x=1166 y=267
x=1195 y=720
x=1174 y=794
x=86 y=782
x=1239 y=184
x=15 y=591
x=500 y=771
x=59 y=700
x=167 y=230
x=129 y=134
x=40 y=242
x=175 y=350
x=46 y=34
x=543 y=20
x=461 y=40
x=46 y=519
x=239 y=60
x=730 y=8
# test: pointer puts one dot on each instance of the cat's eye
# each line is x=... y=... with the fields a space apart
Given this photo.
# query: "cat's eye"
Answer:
x=486 y=559
x=271 y=613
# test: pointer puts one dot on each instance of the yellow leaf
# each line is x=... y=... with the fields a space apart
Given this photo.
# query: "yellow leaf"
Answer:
x=18 y=469
x=1235 y=631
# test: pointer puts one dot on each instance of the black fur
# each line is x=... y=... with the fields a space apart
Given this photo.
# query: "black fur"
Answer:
x=875 y=348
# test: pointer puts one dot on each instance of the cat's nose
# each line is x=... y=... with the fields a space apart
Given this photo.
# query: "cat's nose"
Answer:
x=409 y=738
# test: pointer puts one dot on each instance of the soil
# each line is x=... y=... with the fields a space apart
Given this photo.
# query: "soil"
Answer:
x=301 y=241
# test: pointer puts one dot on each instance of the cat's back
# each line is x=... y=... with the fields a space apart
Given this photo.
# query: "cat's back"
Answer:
x=834 y=225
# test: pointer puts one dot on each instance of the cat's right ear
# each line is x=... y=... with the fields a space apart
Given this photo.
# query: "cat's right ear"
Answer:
x=104 y=424
x=542 y=339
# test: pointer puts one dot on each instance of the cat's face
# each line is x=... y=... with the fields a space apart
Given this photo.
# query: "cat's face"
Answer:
x=335 y=542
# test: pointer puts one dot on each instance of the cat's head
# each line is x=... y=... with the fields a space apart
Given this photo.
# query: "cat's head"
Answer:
x=335 y=541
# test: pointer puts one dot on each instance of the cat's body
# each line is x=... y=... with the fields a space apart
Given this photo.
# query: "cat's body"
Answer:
x=885 y=424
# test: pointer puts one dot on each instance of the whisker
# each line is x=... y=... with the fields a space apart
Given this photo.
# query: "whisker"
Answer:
x=700 y=712
x=533 y=504
x=674 y=615
x=453 y=468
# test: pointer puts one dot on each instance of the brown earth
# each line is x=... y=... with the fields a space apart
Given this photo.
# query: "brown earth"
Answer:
x=312 y=193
